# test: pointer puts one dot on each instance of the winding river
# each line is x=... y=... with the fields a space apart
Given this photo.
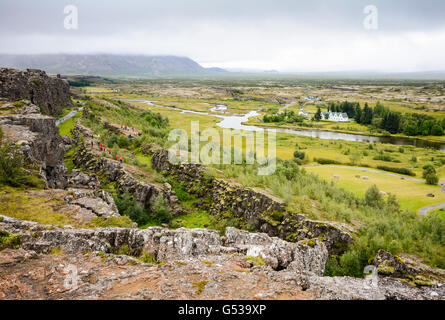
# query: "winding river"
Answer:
x=236 y=122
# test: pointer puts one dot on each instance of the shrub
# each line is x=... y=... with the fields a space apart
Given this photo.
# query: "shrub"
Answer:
x=428 y=168
x=326 y=161
x=430 y=175
x=128 y=206
x=148 y=258
x=404 y=171
x=432 y=178
x=161 y=211
x=383 y=157
x=373 y=197
x=180 y=190
x=9 y=240
x=123 y=142
x=12 y=165
x=111 y=141
x=299 y=155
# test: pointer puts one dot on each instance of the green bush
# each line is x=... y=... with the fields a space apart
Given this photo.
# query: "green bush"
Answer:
x=373 y=197
x=160 y=210
x=12 y=167
x=111 y=141
x=128 y=206
x=432 y=178
x=404 y=171
x=299 y=155
x=123 y=142
x=326 y=161
x=430 y=174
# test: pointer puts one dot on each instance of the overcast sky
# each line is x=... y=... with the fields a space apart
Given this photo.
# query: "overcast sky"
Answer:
x=286 y=35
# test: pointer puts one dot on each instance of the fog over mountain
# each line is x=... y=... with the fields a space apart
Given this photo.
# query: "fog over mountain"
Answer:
x=107 y=65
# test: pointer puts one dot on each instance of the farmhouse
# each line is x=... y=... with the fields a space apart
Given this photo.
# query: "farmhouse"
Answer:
x=304 y=114
x=311 y=98
x=335 y=116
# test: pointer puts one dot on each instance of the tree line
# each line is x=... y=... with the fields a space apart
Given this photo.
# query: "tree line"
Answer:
x=410 y=124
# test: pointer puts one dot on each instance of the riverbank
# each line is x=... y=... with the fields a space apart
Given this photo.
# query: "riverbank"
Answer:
x=437 y=144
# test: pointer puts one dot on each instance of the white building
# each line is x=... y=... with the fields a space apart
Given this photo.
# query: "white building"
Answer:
x=304 y=114
x=335 y=116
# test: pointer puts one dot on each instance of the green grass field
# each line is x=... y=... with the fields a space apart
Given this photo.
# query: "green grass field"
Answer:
x=412 y=195
x=65 y=127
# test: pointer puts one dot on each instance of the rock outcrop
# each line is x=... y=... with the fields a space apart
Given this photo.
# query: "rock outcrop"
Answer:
x=145 y=193
x=188 y=256
x=254 y=207
x=407 y=268
x=50 y=94
x=164 y=244
x=39 y=140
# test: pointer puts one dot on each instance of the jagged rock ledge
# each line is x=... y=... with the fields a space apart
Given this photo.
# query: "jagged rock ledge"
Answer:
x=165 y=244
x=144 y=192
x=50 y=94
x=298 y=264
x=252 y=206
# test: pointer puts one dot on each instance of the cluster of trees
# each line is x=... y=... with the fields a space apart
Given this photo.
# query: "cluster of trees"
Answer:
x=412 y=124
x=155 y=119
x=430 y=175
x=286 y=116
x=128 y=206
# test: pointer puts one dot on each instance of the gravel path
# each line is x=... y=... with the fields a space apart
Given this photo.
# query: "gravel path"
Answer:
x=287 y=106
x=426 y=210
x=68 y=116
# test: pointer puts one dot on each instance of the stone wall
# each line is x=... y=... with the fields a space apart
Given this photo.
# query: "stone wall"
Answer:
x=254 y=207
x=50 y=94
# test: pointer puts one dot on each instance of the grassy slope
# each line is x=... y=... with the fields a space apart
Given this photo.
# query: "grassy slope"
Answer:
x=340 y=151
x=412 y=195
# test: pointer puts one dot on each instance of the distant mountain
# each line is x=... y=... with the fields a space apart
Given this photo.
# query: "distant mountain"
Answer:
x=107 y=65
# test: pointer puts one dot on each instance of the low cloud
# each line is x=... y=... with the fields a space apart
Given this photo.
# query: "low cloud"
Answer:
x=322 y=35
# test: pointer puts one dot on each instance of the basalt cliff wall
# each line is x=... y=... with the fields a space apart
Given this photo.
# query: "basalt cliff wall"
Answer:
x=50 y=94
x=39 y=141
x=144 y=192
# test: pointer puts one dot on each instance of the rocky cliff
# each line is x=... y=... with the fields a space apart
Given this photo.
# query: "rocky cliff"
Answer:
x=50 y=94
x=39 y=140
x=254 y=207
x=144 y=192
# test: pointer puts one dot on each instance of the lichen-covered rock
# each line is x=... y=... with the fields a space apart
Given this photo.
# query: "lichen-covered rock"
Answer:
x=79 y=179
x=183 y=243
x=299 y=264
x=408 y=268
x=98 y=206
x=50 y=94
x=346 y=288
x=280 y=254
x=165 y=244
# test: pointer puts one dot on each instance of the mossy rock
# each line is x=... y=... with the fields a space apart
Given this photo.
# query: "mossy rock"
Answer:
x=309 y=242
x=386 y=270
